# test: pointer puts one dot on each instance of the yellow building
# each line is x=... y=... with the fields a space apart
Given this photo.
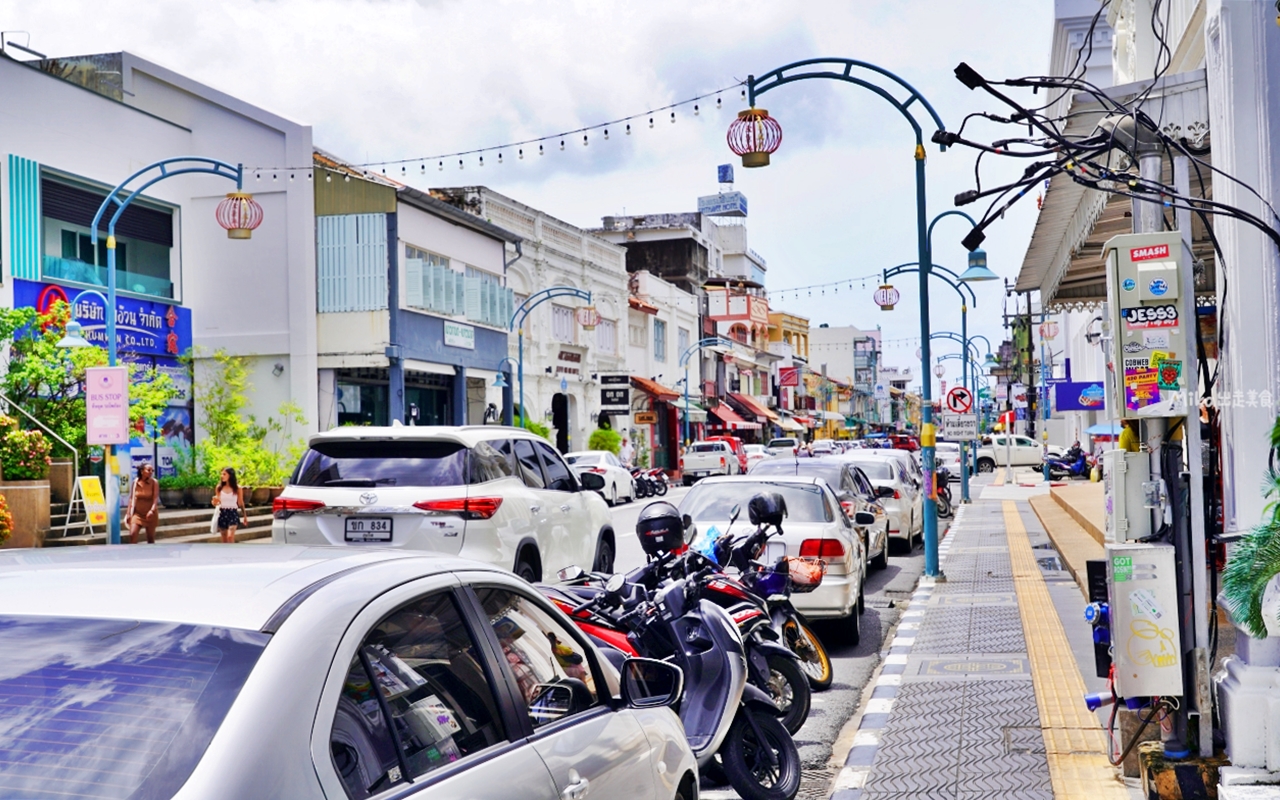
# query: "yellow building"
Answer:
x=792 y=330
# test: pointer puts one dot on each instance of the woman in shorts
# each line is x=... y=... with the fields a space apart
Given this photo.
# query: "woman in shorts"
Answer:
x=229 y=500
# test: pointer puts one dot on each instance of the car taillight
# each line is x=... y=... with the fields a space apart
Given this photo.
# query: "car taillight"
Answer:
x=597 y=470
x=722 y=461
x=681 y=462
x=285 y=507
x=848 y=507
x=465 y=507
x=822 y=548
x=897 y=495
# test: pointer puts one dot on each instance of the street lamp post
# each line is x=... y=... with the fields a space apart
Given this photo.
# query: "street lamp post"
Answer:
x=500 y=382
x=755 y=135
x=238 y=214
x=711 y=341
x=521 y=313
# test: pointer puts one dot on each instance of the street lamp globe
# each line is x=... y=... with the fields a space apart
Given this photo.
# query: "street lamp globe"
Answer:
x=939 y=370
x=499 y=382
x=74 y=336
x=977 y=270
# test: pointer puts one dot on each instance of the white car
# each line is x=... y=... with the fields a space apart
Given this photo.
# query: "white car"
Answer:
x=490 y=493
x=755 y=454
x=815 y=526
x=823 y=447
x=316 y=674
x=899 y=495
x=947 y=454
x=617 y=478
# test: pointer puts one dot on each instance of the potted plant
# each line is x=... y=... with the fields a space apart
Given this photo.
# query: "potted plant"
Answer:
x=172 y=491
x=6 y=521
x=1251 y=581
x=24 y=482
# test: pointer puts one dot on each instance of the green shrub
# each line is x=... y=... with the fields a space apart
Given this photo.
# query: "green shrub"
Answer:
x=605 y=439
x=538 y=428
x=24 y=455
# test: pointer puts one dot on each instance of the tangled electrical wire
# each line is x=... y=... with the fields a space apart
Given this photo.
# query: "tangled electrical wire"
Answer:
x=1091 y=160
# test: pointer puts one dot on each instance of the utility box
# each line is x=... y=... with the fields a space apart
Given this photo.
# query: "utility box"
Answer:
x=1146 y=645
x=1124 y=473
x=1150 y=335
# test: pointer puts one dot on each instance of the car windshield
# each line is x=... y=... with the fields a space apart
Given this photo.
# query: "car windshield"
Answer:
x=828 y=470
x=876 y=469
x=714 y=502
x=384 y=463
x=113 y=708
x=585 y=459
x=708 y=447
x=783 y=443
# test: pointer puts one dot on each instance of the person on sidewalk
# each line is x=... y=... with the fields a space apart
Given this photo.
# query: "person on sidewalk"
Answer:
x=625 y=452
x=144 y=505
x=1129 y=440
x=229 y=500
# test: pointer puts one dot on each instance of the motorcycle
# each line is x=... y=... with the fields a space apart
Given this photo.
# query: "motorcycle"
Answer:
x=945 y=507
x=722 y=713
x=638 y=479
x=1060 y=468
x=657 y=481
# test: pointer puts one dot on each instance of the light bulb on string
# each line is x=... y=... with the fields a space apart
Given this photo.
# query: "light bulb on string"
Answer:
x=673 y=117
x=521 y=154
x=482 y=161
x=424 y=168
x=695 y=109
x=584 y=140
x=442 y=166
x=562 y=144
x=328 y=178
x=460 y=164
x=257 y=176
x=650 y=122
x=606 y=134
x=628 y=128
x=540 y=150
x=718 y=104
x=273 y=176
x=346 y=179
x=402 y=170
x=499 y=158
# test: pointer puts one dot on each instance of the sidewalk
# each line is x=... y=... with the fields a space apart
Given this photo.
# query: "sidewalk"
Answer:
x=980 y=693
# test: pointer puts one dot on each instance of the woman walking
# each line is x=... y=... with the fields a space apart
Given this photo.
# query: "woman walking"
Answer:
x=229 y=500
x=144 y=505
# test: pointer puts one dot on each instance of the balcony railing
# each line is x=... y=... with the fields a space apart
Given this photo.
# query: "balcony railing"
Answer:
x=69 y=269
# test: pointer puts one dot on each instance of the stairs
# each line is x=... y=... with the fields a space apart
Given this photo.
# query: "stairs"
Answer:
x=177 y=526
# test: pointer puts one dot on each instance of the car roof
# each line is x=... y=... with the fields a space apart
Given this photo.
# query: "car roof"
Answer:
x=801 y=479
x=468 y=435
x=587 y=453
x=197 y=584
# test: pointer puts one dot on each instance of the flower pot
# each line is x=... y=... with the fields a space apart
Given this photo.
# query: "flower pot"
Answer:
x=260 y=496
x=199 y=496
x=61 y=476
x=29 y=504
x=276 y=491
x=173 y=498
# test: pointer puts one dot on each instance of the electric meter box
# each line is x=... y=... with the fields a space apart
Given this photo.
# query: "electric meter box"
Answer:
x=1128 y=517
x=1150 y=334
x=1146 y=645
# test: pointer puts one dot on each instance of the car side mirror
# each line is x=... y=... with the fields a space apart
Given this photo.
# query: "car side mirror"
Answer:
x=647 y=683
x=863 y=519
x=884 y=491
x=560 y=699
x=591 y=481
x=686 y=521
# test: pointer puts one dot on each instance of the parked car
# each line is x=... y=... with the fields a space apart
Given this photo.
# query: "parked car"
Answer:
x=283 y=671
x=617 y=478
x=947 y=454
x=823 y=447
x=852 y=489
x=1021 y=451
x=705 y=458
x=784 y=446
x=814 y=526
x=738 y=448
x=897 y=490
x=490 y=493
x=755 y=454
x=900 y=441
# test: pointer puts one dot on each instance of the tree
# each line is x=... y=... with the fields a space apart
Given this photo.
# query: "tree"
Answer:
x=45 y=380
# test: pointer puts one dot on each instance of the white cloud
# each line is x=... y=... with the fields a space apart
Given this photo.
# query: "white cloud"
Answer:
x=387 y=79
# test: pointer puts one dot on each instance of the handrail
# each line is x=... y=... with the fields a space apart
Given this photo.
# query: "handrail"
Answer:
x=75 y=456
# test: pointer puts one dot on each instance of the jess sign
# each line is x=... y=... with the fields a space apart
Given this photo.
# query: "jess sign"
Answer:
x=107 y=405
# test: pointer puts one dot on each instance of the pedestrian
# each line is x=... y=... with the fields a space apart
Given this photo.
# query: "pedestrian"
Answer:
x=625 y=452
x=229 y=500
x=144 y=505
x=1129 y=436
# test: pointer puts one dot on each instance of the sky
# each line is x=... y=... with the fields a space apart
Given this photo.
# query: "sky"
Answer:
x=406 y=79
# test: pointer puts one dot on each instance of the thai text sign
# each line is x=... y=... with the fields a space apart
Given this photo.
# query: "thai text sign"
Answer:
x=107 y=405
x=95 y=503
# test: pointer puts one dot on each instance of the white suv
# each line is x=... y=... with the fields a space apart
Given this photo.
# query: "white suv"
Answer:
x=494 y=494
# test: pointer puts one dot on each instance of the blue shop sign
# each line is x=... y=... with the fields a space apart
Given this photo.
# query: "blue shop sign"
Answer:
x=143 y=327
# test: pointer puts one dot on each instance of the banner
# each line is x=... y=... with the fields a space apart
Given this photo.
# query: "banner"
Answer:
x=1079 y=396
x=788 y=376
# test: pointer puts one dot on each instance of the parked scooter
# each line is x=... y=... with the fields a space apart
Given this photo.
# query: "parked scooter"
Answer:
x=722 y=713
x=945 y=507
x=643 y=487
x=1066 y=467
x=657 y=481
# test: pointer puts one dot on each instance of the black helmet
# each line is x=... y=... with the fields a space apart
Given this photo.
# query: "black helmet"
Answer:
x=660 y=528
x=766 y=508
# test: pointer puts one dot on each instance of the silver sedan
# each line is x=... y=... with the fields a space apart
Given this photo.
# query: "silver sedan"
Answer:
x=209 y=671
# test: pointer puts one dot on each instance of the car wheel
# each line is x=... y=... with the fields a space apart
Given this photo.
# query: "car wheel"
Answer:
x=687 y=481
x=882 y=560
x=604 y=556
x=527 y=569
x=853 y=623
x=862 y=594
x=986 y=465
x=613 y=495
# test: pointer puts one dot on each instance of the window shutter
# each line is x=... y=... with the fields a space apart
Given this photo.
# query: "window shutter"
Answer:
x=508 y=307
x=459 y=293
x=413 y=282
x=473 y=298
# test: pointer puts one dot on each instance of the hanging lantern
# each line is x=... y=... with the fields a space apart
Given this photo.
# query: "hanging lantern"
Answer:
x=886 y=297
x=754 y=135
x=588 y=317
x=240 y=214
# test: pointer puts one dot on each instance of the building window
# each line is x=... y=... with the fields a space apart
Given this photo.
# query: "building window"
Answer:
x=144 y=241
x=659 y=340
x=431 y=284
x=738 y=333
x=488 y=301
x=351 y=262
x=682 y=341
x=562 y=324
x=636 y=333
x=607 y=337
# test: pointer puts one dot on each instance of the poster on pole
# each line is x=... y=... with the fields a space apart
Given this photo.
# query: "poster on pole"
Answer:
x=107 y=405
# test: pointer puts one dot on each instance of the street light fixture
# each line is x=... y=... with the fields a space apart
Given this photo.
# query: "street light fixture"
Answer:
x=977 y=270
x=74 y=336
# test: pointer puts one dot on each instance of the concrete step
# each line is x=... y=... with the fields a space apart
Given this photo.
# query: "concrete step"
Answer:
x=183 y=527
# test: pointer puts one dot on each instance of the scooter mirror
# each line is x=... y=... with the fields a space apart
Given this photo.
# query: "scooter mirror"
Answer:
x=615 y=583
x=570 y=573
x=734 y=512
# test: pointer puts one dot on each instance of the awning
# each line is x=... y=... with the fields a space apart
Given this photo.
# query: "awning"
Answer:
x=754 y=407
x=657 y=390
x=1104 y=429
x=806 y=421
x=834 y=416
x=730 y=419
x=788 y=424
x=695 y=412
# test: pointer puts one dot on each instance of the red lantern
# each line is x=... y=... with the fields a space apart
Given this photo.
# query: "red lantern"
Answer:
x=588 y=317
x=754 y=135
x=240 y=214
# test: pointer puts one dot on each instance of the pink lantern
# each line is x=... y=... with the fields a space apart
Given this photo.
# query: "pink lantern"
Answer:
x=754 y=136
x=240 y=214
x=588 y=317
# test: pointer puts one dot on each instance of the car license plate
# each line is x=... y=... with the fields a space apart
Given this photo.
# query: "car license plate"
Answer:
x=773 y=551
x=368 y=529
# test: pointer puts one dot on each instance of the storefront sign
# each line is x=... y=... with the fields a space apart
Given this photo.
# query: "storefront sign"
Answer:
x=144 y=327
x=725 y=204
x=458 y=335
x=615 y=397
x=646 y=418
x=107 y=405
x=1079 y=396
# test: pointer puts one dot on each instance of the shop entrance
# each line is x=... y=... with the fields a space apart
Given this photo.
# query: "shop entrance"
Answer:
x=560 y=420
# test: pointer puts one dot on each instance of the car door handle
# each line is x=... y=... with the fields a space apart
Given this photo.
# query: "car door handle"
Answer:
x=565 y=509
x=577 y=789
x=535 y=508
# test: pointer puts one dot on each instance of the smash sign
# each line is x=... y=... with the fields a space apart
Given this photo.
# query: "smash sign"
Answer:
x=144 y=327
